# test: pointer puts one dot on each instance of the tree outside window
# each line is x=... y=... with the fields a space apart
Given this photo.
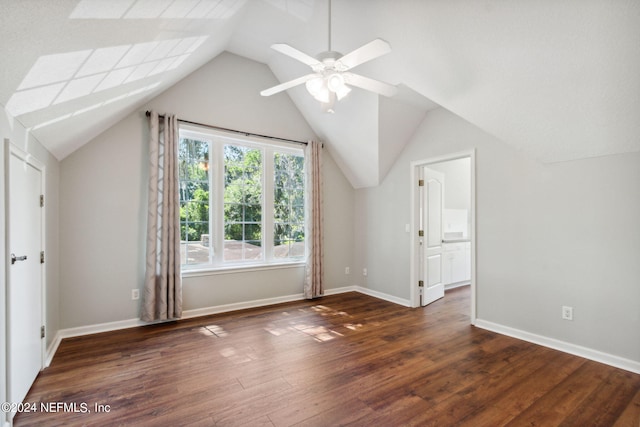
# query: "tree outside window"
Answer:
x=240 y=203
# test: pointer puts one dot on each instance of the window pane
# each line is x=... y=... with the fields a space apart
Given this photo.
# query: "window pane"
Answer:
x=253 y=232
x=253 y=250
x=193 y=172
x=194 y=253
x=233 y=191
x=297 y=232
x=280 y=213
x=298 y=214
x=253 y=213
x=243 y=203
x=288 y=215
x=233 y=212
x=196 y=210
x=242 y=251
x=233 y=250
x=233 y=232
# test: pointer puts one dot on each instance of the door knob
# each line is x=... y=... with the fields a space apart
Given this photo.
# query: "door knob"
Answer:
x=15 y=258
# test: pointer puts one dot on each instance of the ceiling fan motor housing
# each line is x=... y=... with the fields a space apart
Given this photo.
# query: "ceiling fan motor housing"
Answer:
x=329 y=60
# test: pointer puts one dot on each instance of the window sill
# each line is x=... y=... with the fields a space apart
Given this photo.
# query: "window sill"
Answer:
x=211 y=271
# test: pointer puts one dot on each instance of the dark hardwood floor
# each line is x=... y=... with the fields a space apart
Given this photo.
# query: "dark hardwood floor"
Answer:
x=346 y=359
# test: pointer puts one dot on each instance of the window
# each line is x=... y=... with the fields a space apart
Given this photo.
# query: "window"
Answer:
x=241 y=200
x=288 y=205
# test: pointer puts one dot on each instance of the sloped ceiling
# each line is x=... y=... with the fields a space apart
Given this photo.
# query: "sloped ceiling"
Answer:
x=558 y=80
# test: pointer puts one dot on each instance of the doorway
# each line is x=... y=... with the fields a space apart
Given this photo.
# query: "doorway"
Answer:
x=24 y=187
x=444 y=256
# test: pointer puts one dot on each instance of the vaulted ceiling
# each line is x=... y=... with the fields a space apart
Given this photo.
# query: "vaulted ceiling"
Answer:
x=558 y=80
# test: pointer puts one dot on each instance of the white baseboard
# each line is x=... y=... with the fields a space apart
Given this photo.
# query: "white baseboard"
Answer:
x=383 y=296
x=277 y=300
x=342 y=290
x=216 y=309
x=587 y=353
x=456 y=285
x=100 y=327
x=206 y=311
x=370 y=292
x=51 y=349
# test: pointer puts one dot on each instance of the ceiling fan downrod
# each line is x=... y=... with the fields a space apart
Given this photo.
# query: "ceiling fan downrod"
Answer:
x=329 y=19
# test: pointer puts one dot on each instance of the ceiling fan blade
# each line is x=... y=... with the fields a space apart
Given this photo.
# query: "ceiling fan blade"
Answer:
x=365 y=53
x=296 y=54
x=287 y=85
x=370 y=84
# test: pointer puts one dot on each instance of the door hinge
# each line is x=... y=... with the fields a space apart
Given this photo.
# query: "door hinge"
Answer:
x=42 y=331
x=421 y=283
x=421 y=183
x=42 y=200
x=421 y=233
x=41 y=257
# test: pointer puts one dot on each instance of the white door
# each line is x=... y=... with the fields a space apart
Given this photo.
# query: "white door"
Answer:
x=431 y=213
x=25 y=285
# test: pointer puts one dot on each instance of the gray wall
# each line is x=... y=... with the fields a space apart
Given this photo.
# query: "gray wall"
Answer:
x=457 y=191
x=103 y=200
x=547 y=235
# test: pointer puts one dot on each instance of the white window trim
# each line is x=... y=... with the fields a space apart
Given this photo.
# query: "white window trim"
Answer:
x=216 y=140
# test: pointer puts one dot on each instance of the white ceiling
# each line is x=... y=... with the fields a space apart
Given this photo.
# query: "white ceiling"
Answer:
x=559 y=80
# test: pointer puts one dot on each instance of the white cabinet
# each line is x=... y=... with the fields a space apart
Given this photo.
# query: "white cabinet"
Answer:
x=456 y=263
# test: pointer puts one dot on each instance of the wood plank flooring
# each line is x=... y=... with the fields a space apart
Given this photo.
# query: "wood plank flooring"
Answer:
x=346 y=359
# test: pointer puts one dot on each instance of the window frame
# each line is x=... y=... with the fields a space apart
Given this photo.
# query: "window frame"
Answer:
x=216 y=140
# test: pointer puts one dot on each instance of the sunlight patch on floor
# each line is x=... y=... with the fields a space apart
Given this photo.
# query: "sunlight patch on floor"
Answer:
x=213 y=331
x=239 y=356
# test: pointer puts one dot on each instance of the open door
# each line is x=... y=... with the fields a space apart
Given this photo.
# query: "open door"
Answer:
x=427 y=215
x=432 y=196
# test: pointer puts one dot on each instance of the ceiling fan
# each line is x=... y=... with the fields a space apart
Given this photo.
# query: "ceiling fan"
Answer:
x=331 y=77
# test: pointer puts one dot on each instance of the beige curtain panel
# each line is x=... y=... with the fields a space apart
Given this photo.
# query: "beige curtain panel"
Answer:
x=314 y=271
x=162 y=298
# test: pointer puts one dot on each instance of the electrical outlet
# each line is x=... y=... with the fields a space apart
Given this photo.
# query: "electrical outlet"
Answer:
x=347 y=270
x=364 y=271
x=135 y=294
x=567 y=312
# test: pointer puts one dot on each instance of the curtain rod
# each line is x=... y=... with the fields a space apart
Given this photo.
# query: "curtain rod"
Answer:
x=148 y=114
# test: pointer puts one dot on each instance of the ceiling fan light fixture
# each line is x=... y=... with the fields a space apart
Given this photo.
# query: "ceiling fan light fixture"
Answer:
x=335 y=81
x=330 y=77
x=342 y=91
x=317 y=87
